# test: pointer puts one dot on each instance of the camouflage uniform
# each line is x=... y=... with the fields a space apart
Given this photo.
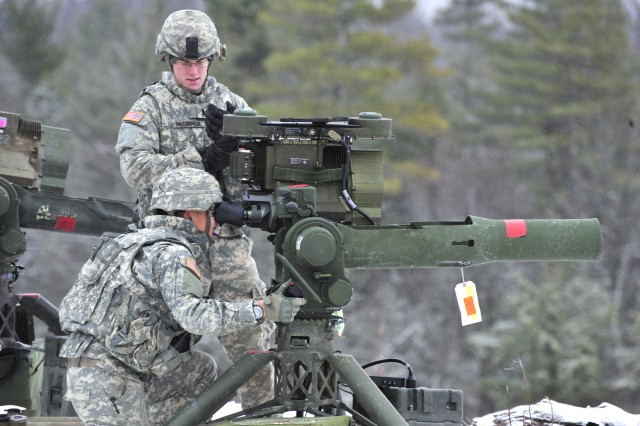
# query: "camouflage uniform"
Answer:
x=162 y=131
x=133 y=313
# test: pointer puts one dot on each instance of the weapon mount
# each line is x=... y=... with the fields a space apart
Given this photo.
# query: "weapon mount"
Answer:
x=320 y=198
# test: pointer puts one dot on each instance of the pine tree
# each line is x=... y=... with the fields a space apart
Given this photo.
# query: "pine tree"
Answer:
x=247 y=43
x=561 y=100
x=30 y=53
x=335 y=58
x=33 y=52
x=563 y=86
x=466 y=26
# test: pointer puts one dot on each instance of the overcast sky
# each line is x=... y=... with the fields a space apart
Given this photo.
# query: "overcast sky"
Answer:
x=428 y=7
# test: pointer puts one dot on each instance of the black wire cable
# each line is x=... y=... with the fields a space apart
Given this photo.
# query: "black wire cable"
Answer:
x=15 y=365
x=411 y=378
x=345 y=174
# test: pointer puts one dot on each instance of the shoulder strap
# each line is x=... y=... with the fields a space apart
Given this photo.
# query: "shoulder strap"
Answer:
x=151 y=90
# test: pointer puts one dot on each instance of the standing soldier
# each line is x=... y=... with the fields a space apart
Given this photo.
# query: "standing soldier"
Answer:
x=139 y=304
x=176 y=122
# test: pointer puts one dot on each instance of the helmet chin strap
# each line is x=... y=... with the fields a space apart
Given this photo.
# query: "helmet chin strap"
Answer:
x=207 y=223
x=207 y=226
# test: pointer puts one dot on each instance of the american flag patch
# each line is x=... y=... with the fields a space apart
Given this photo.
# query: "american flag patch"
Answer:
x=191 y=265
x=133 y=116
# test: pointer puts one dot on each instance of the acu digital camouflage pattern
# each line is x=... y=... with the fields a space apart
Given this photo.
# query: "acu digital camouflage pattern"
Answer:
x=172 y=39
x=162 y=131
x=186 y=189
x=107 y=395
x=132 y=298
x=235 y=277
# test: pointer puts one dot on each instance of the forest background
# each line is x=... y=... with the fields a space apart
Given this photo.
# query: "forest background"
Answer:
x=500 y=109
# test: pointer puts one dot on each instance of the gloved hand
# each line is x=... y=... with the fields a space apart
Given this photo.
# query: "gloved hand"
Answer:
x=215 y=157
x=279 y=308
x=213 y=119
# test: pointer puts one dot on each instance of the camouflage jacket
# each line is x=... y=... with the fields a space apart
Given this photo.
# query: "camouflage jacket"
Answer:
x=162 y=131
x=141 y=291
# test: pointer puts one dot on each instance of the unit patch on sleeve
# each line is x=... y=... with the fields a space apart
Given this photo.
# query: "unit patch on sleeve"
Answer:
x=133 y=116
x=191 y=265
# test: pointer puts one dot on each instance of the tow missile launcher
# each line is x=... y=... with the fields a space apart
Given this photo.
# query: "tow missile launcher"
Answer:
x=319 y=196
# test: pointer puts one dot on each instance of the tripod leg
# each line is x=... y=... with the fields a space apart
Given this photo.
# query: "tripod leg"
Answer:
x=382 y=412
x=222 y=390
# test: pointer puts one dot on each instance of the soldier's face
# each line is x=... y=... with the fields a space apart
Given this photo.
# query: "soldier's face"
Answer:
x=199 y=219
x=191 y=74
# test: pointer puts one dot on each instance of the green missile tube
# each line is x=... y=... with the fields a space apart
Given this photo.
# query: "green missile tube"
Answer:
x=92 y=216
x=214 y=397
x=473 y=242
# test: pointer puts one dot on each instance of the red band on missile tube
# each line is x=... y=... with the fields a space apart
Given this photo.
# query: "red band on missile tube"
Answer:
x=516 y=228
x=65 y=223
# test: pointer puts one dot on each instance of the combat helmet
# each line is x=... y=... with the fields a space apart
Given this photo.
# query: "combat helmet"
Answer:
x=189 y=34
x=185 y=188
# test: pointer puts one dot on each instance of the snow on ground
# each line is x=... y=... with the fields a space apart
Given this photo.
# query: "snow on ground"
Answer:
x=233 y=407
x=547 y=412
x=228 y=408
x=555 y=413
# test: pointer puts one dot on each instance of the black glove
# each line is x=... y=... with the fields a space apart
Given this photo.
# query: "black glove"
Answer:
x=215 y=157
x=213 y=119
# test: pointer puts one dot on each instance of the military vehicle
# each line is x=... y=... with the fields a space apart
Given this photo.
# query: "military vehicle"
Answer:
x=34 y=160
x=316 y=188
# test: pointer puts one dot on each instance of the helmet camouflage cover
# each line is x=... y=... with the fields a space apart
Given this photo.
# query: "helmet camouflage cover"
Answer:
x=189 y=34
x=185 y=189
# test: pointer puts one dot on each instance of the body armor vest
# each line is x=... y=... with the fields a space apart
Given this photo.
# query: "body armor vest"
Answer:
x=181 y=122
x=109 y=305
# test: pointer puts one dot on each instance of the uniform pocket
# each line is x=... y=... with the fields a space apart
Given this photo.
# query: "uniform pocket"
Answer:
x=101 y=398
x=125 y=395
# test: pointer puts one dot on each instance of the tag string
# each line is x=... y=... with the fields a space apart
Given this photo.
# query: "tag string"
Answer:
x=462 y=273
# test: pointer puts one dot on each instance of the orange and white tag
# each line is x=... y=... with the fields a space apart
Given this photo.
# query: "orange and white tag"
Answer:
x=468 y=303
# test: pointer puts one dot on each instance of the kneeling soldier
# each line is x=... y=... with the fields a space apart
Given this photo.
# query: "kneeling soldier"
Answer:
x=141 y=301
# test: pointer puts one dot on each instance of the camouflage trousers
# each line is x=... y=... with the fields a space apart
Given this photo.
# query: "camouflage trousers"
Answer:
x=104 y=393
x=235 y=277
